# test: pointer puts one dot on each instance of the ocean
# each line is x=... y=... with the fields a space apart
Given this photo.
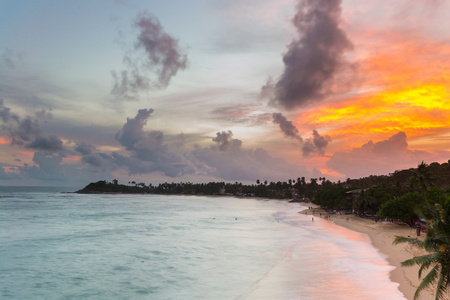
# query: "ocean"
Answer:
x=56 y=245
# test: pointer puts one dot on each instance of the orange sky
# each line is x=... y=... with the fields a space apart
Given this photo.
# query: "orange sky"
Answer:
x=405 y=87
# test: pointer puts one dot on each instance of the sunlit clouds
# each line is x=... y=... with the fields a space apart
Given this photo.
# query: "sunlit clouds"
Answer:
x=221 y=90
x=405 y=87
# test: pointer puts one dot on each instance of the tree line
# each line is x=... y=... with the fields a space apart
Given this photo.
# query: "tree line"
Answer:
x=393 y=196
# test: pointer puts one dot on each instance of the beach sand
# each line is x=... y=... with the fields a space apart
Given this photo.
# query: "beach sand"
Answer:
x=382 y=234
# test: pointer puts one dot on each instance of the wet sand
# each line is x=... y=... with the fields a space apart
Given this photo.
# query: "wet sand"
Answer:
x=382 y=234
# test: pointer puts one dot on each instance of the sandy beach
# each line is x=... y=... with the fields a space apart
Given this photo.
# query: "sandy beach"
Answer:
x=382 y=234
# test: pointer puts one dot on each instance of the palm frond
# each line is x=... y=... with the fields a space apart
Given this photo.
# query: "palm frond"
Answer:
x=441 y=286
x=418 y=260
x=427 y=280
x=437 y=243
x=425 y=264
x=413 y=241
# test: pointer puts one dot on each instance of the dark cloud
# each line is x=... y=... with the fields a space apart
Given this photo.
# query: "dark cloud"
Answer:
x=50 y=144
x=316 y=144
x=132 y=131
x=98 y=162
x=50 y=169
x=308 y=148
x=150 y=153
x=46 y=168
x=377 y=158
x=234 y=162
x=320 y=141
x=286 y=126
x=224 y=139
x=5 y=113
x=224 y=159
x=314 y=62
x=44 y=115
x=154 y=60
x=27 y=132
x=163 y=51
x=21 y=131
x=101 y=162
x=84 y=148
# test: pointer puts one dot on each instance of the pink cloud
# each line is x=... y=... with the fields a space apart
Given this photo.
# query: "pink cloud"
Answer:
x=379 y=158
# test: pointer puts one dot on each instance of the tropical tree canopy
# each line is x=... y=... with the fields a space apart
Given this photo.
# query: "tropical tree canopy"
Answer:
x=402 y=208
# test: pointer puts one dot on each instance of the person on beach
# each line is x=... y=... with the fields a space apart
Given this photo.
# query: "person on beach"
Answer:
x=418 y=228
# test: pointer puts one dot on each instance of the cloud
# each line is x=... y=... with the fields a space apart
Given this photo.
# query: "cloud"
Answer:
x=132 y=130
x=314 y=62
x=48 y=168
x=248 y=114
x=225 y=158
x=377 y=158
x=320 y=141
x=149 y=151
x=50 y=144
x=84 y=148
x=100 y=161
x=234 y=162
x=162 y=50
x=286 y=126
x=316 y=144
x=7 y=176
x=21 y=131
x=308 y=148
x=5 y=113
x=27 y=132
x=154 y=60
x=225 y=139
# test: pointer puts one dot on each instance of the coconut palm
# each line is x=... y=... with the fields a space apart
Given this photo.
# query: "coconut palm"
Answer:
x=437 y=243
x=421 y=178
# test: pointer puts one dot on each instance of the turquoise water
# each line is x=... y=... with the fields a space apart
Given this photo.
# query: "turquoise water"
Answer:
x=68 y=246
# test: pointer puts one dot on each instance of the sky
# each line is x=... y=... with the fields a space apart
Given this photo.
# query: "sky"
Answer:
x=221 y=90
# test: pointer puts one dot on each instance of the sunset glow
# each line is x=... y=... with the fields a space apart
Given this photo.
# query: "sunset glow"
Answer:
x=145 y=98
x=4 y=140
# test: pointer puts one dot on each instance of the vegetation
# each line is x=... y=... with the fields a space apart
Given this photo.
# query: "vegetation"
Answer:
x=367 y=196
x=437 y=243
x=402 y=208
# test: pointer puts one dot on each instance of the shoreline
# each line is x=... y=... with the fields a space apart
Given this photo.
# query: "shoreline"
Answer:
x=382 y=235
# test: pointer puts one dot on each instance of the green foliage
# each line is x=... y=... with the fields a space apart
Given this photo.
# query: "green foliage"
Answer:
x=333 y=197
x=370 y=200
x=435 y=195
x=437 y=243
x=402 y=208
x=106 y=187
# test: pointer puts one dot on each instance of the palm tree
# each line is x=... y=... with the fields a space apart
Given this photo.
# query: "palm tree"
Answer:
x=365 y=202
x=421 y=178
x=437 y=243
